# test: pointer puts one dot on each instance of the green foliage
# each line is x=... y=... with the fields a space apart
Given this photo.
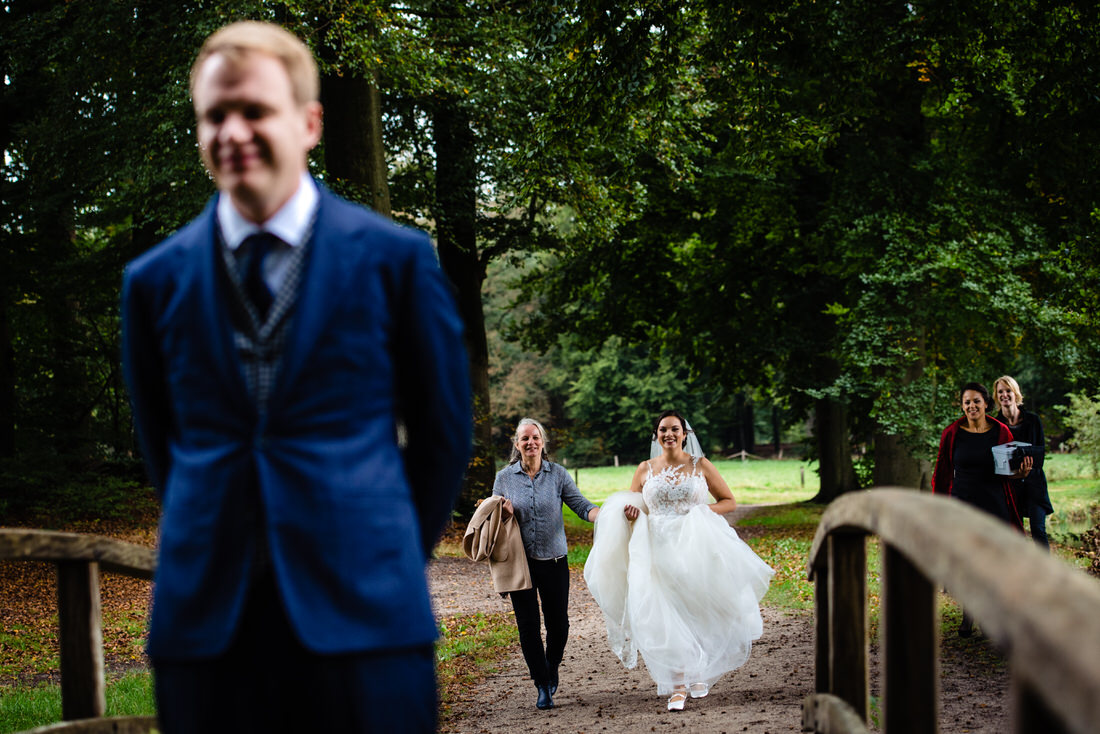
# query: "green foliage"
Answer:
x=864 y=468
x=599 y=401
x=99 y=163
x=44 y=495
x=1083 y=416
x=870 y=185
x=731 y=203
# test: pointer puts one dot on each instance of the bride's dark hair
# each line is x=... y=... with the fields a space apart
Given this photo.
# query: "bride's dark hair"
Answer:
x=675 y=414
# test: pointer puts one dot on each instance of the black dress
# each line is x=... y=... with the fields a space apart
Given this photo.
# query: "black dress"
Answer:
x=976 y=480
x=1032 y=488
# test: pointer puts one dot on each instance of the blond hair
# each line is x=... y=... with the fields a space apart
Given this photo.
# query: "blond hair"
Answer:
x=236 y=40
x=1012 y=385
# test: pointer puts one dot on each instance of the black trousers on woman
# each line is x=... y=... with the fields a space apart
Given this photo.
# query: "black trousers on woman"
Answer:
x=550 y=584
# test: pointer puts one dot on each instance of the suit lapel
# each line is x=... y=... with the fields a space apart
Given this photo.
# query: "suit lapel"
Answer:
x=214 y=305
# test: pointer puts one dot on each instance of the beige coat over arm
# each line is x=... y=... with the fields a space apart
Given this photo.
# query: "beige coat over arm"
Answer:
x=493 y=535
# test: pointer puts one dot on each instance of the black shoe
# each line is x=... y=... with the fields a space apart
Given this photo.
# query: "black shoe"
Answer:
x=553 y=681
x=545 y=700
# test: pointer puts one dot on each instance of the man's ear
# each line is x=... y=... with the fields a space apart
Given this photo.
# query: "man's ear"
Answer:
x=314 y=123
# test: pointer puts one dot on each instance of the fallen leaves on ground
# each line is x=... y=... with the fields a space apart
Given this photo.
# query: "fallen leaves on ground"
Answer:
x=29 y=651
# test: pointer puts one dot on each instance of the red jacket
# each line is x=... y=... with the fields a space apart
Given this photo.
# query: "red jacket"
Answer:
x=944 y=474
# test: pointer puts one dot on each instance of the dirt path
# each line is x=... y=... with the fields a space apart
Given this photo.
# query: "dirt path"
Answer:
x=597 y=694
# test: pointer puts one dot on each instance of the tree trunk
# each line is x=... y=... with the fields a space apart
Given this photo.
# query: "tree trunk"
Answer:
x=895 y=463
x=777 y=433
x=355 y=156
x=456 y=217
x=70 y=401
x=834 y=450
x=7 y=295
x=7 y=386
x=748 y=426
x=834 y=447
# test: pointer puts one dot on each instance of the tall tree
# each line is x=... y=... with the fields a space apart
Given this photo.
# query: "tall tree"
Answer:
x=844 y=193
x=98 y=162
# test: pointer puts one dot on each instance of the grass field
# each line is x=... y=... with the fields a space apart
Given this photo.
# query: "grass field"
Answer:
x=753 y=481
x=1074 y=494
x=27 y=708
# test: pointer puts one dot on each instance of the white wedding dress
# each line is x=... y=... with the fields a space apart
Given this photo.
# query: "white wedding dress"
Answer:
x=677 y=584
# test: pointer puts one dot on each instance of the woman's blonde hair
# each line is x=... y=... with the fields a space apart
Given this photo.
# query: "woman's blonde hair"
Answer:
x=1012 y=385
x=251 y=36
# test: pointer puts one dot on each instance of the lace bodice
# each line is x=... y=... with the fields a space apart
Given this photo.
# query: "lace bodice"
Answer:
x=674 y=490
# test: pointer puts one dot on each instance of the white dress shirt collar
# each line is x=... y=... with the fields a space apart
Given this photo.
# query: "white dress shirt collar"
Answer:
x=290 y=224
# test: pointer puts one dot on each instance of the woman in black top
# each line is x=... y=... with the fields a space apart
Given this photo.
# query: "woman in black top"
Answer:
x=965 y=468
x=1031 y=491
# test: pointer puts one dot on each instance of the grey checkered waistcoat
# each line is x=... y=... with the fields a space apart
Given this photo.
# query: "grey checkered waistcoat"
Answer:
x=260 y=344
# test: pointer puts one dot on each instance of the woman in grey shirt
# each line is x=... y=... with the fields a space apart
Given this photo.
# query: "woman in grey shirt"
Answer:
x=534 y=489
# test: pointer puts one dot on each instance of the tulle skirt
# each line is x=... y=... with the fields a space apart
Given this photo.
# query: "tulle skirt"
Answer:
x=683 y=590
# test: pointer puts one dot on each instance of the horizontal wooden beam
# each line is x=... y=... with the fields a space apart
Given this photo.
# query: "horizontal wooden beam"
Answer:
x=115 y=725
x=116 y=556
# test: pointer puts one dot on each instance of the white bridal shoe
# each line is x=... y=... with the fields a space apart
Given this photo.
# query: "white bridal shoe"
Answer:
x=676 y=703
x=699 y=690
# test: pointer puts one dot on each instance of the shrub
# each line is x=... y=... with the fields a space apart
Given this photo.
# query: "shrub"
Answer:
x=1083 y=416
x=1090 y=539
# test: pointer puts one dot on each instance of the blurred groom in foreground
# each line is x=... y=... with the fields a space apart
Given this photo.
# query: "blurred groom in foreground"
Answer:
x=271 y=348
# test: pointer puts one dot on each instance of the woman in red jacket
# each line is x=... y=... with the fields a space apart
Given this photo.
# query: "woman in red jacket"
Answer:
x=965 y=469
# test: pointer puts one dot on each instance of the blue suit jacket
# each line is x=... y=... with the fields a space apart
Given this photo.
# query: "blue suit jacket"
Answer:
x=349 y=518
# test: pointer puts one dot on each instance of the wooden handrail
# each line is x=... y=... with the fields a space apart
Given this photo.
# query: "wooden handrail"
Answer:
x=78 y=559
x=1038 y=609
x=115 y=556
x=116 y=725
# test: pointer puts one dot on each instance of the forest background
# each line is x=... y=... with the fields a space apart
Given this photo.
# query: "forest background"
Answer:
x=795 y=221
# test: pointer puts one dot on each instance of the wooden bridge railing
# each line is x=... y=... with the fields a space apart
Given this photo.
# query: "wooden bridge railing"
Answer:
x=78 y=559
x=1044 y=614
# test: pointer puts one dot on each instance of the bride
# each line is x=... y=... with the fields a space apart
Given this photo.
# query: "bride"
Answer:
x=672 y=578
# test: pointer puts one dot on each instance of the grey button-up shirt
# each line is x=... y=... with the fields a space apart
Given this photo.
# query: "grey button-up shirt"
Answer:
x=537 y=504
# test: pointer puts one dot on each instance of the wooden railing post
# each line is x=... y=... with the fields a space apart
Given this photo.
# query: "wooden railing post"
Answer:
x=1030 y=713
x=848 y=670
x=822 y=681
x=81 y=635
x=911 y=650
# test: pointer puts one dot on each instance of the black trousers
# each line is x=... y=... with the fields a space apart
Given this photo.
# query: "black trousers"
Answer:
x=1037 y=516
x=268 y=682
x=550 y=584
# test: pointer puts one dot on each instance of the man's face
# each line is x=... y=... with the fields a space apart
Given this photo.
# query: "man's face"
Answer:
x=254 y=137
